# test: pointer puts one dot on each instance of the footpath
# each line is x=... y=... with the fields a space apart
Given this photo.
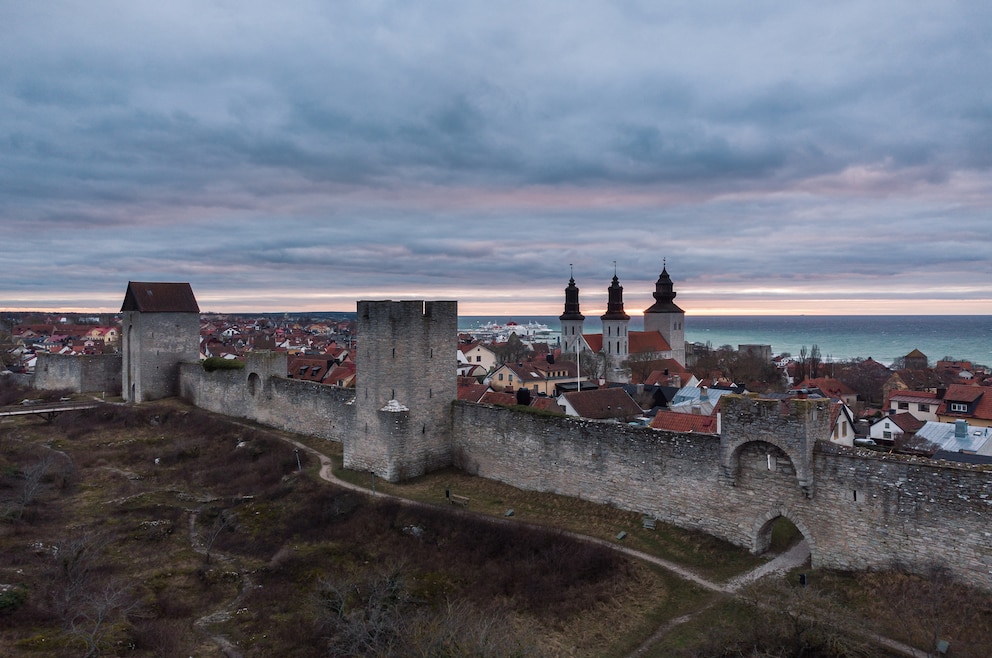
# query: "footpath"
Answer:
x=794 y=557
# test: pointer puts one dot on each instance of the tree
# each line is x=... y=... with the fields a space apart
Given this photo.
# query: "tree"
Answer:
x=512 y=351
x=592 y=364
x=814 y=361
x=640 y=366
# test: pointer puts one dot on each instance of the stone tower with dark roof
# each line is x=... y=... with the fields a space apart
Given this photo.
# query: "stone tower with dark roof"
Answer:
x=160 y=330
x=615 y=323
x=571 y=320
x=665 y=317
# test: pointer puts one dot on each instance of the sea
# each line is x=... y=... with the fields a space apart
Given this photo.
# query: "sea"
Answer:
x=884 y=338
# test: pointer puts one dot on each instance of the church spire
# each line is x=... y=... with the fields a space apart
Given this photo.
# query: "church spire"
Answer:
x=571 y=299
x=614 y=306
x=664 y=295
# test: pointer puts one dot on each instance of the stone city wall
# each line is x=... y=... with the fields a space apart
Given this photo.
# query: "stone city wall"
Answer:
x=258 y=393
x=78 y=373
x=866 y=510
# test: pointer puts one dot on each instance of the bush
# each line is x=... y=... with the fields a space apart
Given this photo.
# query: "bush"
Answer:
x=12 y=598
x=220 y=363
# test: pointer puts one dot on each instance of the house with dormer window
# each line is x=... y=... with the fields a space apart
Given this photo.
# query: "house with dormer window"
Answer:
x=539 y=377
x=966 y=402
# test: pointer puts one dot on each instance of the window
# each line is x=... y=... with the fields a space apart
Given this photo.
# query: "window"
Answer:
x=501 y=376
x=904 y=405
x=886 y=435
x=923 y=407
x=959 y=406
x=478 y=359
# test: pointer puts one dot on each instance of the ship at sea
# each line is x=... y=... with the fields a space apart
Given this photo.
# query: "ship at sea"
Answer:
x=500 y=332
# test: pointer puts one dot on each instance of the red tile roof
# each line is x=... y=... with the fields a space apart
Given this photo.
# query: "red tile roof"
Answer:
x=675 y=422
x=646 y=341
x=503 y=399
x=604 y=403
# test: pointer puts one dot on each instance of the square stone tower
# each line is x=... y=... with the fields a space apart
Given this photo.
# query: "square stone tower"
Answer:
x=406 y=383
x=161 y=329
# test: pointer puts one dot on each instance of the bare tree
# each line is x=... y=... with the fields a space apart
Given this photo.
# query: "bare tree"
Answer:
x=97 y=611
x=33 y=477
x=221 y=521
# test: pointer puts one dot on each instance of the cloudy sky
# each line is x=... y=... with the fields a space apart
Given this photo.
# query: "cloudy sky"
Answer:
x=781 y=157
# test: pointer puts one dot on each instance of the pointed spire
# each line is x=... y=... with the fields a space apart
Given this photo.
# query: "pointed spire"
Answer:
x=664 y=294
x=571 y=299
x=614 y=307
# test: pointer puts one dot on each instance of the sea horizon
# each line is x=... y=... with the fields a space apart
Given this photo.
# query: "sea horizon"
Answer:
x=883 y=338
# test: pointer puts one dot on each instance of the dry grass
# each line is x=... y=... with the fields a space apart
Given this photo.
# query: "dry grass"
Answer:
x=141 y=477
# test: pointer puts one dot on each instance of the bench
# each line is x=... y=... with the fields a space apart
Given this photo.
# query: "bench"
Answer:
x=648 y=522
x=455 y=499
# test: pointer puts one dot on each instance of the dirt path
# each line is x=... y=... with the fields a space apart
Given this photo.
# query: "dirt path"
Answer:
x=791 y=558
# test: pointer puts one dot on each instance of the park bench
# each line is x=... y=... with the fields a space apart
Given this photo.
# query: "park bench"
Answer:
x=455 y=499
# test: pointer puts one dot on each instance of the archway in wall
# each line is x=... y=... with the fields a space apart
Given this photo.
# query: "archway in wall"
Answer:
x=778 y=531
x=254 y=384
x=755 y=461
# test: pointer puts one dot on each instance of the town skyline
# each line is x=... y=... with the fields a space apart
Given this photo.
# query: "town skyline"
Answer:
x=785 y=160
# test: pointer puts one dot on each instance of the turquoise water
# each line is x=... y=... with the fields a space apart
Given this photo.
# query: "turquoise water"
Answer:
x=882 y=337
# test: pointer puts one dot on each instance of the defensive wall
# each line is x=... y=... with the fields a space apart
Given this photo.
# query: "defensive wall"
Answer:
x=262 y=393
x=857 y=509
x=80 y=374
x=860 y=510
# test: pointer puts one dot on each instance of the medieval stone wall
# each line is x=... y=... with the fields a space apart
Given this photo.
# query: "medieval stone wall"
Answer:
x=261 y=392
x=866 y=510
x=78 y=373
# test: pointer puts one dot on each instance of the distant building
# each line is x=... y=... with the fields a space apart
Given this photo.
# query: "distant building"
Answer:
x=663 y=336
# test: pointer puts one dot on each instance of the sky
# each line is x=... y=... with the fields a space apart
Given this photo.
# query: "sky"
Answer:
x=776 y=157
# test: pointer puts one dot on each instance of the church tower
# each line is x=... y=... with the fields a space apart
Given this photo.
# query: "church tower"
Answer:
x=571 y=320
x=615 y=322
x=666 y=318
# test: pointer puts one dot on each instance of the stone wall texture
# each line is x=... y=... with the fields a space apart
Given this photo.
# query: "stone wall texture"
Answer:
x=79 y=374
x=867 y=510
x=153 y=345
x=406 y=357
x=261 y=392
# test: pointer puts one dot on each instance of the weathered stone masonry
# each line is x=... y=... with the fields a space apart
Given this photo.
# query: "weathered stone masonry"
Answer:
x=861 y=510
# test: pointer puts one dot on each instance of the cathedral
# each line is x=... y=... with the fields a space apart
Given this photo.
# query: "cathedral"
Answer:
x=664 y=327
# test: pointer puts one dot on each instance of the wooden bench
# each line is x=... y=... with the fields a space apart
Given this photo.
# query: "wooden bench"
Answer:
x=455 y=499
x=648 y=522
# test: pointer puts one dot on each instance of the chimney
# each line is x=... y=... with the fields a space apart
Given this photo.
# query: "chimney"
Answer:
x=960 y=429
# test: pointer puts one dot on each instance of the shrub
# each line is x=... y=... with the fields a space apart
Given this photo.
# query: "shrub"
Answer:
x=220 y=363
x=12 y=598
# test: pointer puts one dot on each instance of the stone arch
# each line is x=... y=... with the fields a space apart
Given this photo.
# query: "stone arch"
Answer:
x=730 y=460
x=761 y=530
x=254 y=384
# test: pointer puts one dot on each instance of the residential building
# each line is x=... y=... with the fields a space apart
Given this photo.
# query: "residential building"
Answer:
x=922 y=405
x=967 y=402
